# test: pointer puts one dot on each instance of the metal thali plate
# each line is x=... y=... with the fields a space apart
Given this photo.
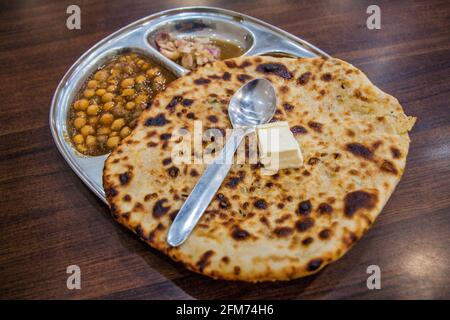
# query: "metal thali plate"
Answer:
x=254 y=36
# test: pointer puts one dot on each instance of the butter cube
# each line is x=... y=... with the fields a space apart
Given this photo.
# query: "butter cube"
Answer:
x=278 y=148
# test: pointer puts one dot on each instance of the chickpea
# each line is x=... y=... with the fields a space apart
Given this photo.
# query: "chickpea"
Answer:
x=102 y=138
x=128 y=92
x=78 y=139
x=117 y=124
x=107 y=106
x=101 y=75
x=113 y=134
x=81 y=148
x=87 y=130
x=112 y=142
x=145 y=66
x=80 y=104
x=79 y=122
x=111 y=88
x=159 y=80
x=125 y=132
x=92 y=84
x=93 y=120
x=106 y=119
x=100 y=92
x=140 y=79
x=141 y=99
x=107 y=97
x=140 y=62
x=81 y=114
x=130 y=105
x=152 y=72
x=128 y=82
x=115 y=72
x=89 y=93
x=103 y=131
x=91 y=140
x=92 y=110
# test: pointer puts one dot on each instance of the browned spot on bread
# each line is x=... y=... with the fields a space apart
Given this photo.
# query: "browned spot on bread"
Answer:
x=233 y=182
x=314 y=264
x=357 y=93
x=304 y=224
x=325 y=234
x=298 y=129
x=357 y=200
x=239 y=234
x=326 y=77
x=173 y=171
x=359 y=150
x=325 y=208
x=224 y=203
x=307 y=241
x=139 y=231
x=149 y=196
x=187 y=102
x=245 y=64
x=396 y=154
x=204 y=260
x=288 y=107
x=166 y=161
x=152 y=235
x=190 y=115
x=376 y=144
x=158 y=121
x=126 y=198
x=304 y=207
x=111 y=192
x=173 y=103
x=304 y=78
x=225 y=259
x=213 y=118
x=173 y=214
x=277 y=69
x=349 y=239
x=243 y=77
x=389 y=167
x=226 y=76
x=350 y=133
x=125 y=178
x=165 y=136
x=316 y=126
x=201 y=81
x=237 y=270
x=260 y=204
x=283 y=232
x=284 y=89
x=231 y=64
x=159 y=209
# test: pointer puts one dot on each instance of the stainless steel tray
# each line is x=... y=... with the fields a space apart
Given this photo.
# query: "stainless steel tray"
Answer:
x=255 y=36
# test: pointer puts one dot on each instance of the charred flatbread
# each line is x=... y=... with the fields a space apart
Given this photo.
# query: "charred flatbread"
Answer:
x=354 y=139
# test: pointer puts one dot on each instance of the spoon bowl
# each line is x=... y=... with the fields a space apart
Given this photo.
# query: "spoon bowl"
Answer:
x=253 y=104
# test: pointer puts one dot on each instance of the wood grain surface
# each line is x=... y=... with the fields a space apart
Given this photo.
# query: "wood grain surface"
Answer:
x=50 y=220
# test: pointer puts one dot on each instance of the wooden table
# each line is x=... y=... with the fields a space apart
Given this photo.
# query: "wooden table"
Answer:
x=50 y=220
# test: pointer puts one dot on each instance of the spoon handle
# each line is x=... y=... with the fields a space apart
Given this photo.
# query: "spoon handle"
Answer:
x=204 y=191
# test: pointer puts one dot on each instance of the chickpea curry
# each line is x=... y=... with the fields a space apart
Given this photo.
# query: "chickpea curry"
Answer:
x=111 y=100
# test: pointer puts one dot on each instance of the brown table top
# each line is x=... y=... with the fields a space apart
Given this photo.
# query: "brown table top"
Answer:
x=50 y=220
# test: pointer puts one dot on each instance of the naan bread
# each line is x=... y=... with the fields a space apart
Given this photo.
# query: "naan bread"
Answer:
x=354 y=139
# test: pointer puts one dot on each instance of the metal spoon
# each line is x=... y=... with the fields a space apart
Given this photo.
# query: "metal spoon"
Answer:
x=253 y=104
